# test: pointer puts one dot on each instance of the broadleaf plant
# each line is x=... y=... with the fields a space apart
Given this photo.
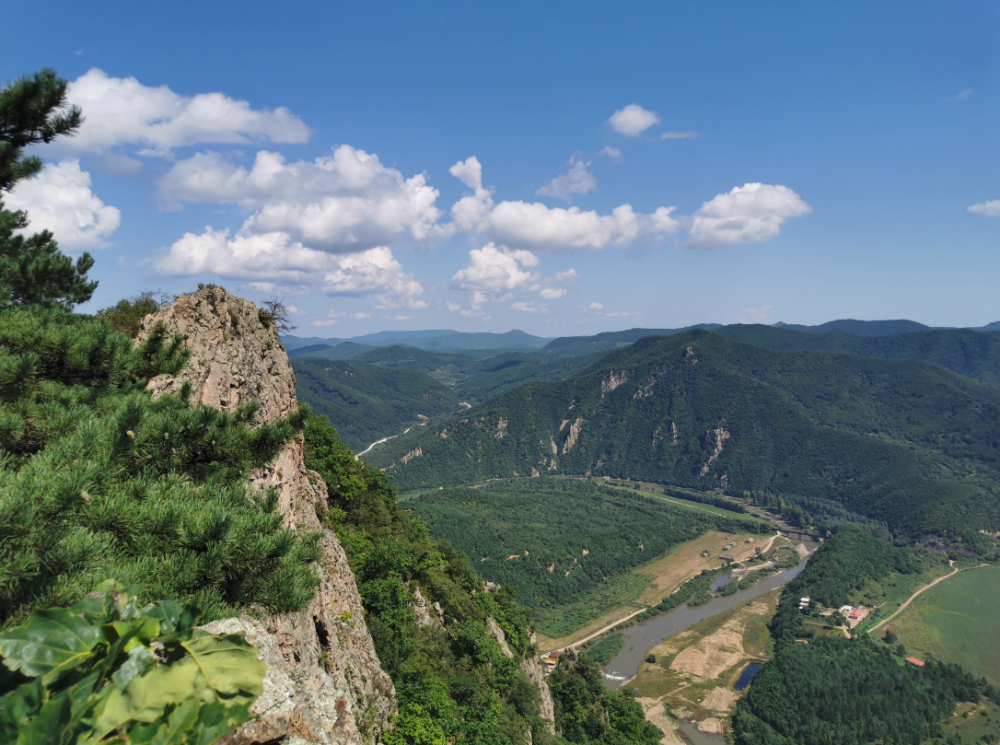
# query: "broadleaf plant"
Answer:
x=111 y=672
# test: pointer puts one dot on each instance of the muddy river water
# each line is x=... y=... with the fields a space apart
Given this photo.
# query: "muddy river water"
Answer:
x=642 y=637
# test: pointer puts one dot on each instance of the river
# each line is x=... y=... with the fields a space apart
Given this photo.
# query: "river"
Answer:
x=642 y=637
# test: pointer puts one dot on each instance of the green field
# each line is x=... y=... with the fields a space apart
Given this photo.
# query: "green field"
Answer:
x=957 y=621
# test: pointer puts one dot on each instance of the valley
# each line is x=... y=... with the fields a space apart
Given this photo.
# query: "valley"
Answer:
x=802 y=432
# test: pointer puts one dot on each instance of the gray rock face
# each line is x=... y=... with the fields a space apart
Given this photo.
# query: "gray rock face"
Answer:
x=324 y=682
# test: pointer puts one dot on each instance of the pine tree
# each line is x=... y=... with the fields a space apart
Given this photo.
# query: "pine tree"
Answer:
x=32 y=270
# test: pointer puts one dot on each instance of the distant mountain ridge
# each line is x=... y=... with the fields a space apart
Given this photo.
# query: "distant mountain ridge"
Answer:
x=900 y=441
x=443 y=340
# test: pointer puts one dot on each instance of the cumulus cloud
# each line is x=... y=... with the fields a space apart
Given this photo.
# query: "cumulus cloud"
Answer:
x=469 y=172
x=610 y=152
x=751 y=213
x=633 y=120
x=495 y=273
x=275 y=257
x=60 y=199
x=987 y=209
x=123 y=111
x=596 y=306
x=577 y=180
x=493 y=269
x=526 y=308
x=343 y=202
x=374 y=271
x=333 y=318
x=537 y=227
x=689 y=135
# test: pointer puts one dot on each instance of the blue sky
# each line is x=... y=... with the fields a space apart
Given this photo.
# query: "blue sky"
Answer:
x=562 y=168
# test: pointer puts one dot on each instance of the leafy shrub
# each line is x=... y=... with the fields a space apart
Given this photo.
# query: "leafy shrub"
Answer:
x=107 y=670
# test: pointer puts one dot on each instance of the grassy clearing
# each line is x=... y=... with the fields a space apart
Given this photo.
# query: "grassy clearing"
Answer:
x=647 y=585
x=888 y=594
x=974 y=722
x=655 y=491
x=686 y=561
x=957 y=621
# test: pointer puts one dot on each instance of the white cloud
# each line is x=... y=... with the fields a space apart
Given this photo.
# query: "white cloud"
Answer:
x=963 y=94
x=374 y=271
x=596 y=306
x=333 y=318
x=60 y=199
x=495 y=274
x=469 y=172
x=275 y=257
x=689 y=135
x=342 y=203
x=536 y=227
x=577 y=180
x=123 y=111
x=633 y=120
x=493 y=269
x=751 y=213
x=569 y=275
x=988 y=209
x=526 y=308
x=610 y=152
x=403 y=318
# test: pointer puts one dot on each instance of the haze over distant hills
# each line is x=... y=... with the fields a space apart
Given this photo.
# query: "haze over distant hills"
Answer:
x=435 y=339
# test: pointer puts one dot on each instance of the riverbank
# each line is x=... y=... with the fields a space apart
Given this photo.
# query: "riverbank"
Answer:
x=692 y=674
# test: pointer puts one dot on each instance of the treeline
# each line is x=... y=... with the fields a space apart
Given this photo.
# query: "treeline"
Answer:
x=715 y=500
x=815 y=513
x=833 y=689
x=552 y=539
x=604 y=650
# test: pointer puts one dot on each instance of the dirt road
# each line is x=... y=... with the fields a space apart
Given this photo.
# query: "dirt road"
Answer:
x=913 y=597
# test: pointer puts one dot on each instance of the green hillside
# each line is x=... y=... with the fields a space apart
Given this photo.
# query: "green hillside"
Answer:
x=366 y=403
x=568 y=536
x=972 y=353
x=899 y=441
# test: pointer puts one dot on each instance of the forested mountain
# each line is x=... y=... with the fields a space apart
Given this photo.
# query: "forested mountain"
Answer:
x=367 y=403
x=965 y=351
x=858 y=328
x=609 y=340
x=903 y=442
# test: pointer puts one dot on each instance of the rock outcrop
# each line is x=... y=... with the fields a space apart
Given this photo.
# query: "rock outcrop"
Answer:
x=324 y=681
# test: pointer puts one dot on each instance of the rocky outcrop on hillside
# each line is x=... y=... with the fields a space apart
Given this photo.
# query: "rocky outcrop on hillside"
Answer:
x=324 y=681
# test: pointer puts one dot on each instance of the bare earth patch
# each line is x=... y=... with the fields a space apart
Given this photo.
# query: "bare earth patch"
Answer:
x=656 y=715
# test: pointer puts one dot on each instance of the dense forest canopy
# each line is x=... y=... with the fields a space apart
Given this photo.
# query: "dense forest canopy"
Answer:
x=901 y=442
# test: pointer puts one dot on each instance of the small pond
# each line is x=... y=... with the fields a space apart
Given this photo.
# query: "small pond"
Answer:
x=746 y=676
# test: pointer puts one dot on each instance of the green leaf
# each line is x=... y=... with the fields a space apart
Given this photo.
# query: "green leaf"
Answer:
x=48 y=644
x=229 y=665
x=147 y=696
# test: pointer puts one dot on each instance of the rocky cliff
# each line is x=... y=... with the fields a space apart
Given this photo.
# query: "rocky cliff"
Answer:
x=324 y=682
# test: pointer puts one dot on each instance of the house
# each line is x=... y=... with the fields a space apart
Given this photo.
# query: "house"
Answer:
x=804 y=603
x=915 y=662
x=857 y=613
x=846 y=609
